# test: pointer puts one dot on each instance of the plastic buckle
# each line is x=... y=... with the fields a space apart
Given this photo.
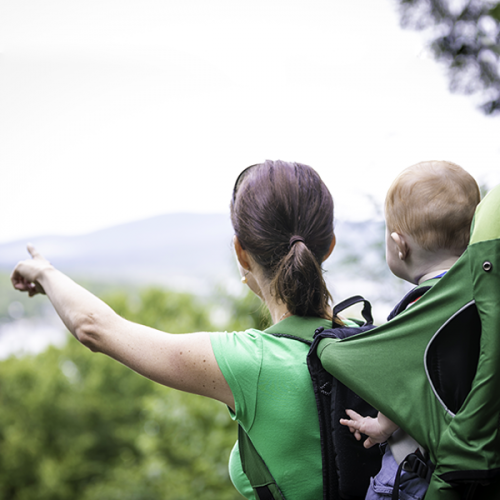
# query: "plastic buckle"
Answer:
x=318 y=331
x=414 y=463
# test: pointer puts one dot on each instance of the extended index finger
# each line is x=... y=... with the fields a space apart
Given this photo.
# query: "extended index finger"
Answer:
x=33 y=251
x=353 y=415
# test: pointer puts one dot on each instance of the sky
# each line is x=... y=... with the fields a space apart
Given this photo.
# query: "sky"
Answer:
x=118 y=110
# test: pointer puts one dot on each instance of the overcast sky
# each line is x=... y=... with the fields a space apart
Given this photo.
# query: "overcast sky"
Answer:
x=116 y=110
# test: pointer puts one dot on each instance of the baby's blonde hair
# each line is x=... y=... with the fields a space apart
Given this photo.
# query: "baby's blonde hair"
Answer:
x=433 y=202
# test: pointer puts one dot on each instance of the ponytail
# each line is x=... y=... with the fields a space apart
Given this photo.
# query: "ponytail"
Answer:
x=292 y=283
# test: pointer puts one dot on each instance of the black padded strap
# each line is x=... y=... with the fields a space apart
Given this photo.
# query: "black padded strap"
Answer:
x=366 y=312
x=397 y=480
x=263 y=493
x=464 y=476
x=347 y=466
x=416 y=463
x=410 y=297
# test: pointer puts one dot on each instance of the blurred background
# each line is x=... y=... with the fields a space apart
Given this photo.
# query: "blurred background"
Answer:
x=123 y=126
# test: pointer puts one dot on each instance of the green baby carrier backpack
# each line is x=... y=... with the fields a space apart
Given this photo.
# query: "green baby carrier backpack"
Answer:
x=435 y=368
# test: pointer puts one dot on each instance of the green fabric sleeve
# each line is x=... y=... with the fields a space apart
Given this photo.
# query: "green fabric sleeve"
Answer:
x=486 y=224
x=239 y=356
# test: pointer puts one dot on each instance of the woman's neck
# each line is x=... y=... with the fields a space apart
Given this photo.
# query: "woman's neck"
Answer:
x=261 y=286
x=277 y=310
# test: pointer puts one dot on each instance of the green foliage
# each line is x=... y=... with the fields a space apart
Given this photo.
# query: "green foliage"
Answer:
x=197 y=315
x=78 y=425
x=466 y=38
x=495 y=12
x=167 y=311
x=247 y=312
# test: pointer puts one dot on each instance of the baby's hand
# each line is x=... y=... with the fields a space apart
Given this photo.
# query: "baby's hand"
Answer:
x=377 y=429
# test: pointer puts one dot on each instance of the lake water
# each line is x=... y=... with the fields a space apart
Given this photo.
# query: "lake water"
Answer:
x=31 y=335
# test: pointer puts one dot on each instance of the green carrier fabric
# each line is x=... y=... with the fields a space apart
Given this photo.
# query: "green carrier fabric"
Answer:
x=346 y=465
x=261 y=479
x=435 y=368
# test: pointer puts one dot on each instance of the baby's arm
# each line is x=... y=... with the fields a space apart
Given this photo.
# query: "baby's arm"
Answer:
x=377 y=429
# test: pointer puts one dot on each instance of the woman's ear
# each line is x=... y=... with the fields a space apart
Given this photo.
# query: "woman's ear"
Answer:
x=241 y=254
x=330 y=250
x=401 y=244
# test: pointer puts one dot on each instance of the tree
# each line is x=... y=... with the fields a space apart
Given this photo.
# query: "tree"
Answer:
x=78 y=425
x=465 y=36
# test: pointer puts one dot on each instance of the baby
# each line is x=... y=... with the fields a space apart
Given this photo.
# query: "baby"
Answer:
x=429 y=209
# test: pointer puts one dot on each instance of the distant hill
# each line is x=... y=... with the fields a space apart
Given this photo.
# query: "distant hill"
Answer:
x=193 y=252
x=180 y=250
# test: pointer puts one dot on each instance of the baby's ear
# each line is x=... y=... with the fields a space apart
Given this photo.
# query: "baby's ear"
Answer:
x=402 y=244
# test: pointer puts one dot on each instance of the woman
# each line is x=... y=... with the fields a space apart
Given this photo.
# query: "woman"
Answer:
x=282 y=215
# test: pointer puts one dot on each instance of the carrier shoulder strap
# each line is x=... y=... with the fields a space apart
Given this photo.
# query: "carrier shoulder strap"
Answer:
x=366 y=311
x=413 y=295
x=347 y=465
x=261 y=479
x=402 y=445
x=254 y=467
x=331 y=398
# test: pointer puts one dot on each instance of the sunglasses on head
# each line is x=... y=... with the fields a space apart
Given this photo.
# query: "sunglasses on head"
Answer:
x=240 y=179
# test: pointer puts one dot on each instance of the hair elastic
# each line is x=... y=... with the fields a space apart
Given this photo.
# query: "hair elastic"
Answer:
x=294 y=240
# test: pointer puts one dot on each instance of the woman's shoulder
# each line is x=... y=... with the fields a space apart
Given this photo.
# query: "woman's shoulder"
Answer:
x=239 y=348
x=235 y=339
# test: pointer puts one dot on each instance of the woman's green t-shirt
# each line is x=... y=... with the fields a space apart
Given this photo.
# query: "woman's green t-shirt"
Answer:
x=275 y=404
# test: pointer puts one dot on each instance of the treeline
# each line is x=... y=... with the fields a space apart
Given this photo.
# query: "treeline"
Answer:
x=80 y=426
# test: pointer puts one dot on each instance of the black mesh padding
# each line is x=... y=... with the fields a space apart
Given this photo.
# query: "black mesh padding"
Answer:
x=355 y=463
x=452 y=357
x=347 y=464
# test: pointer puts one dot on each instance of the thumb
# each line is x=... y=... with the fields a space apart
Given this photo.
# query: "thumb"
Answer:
x=369 y=443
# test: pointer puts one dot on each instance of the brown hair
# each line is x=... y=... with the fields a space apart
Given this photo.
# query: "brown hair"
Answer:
x=433 y=202
x=282 y=214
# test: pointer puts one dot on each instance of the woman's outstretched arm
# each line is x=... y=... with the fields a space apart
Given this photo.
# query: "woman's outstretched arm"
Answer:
x=185 y=362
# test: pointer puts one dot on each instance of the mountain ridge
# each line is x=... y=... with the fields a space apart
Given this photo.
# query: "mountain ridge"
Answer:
x=193 y=253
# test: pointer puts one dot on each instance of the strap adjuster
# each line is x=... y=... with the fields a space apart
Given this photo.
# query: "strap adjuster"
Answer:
x=415 y=463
